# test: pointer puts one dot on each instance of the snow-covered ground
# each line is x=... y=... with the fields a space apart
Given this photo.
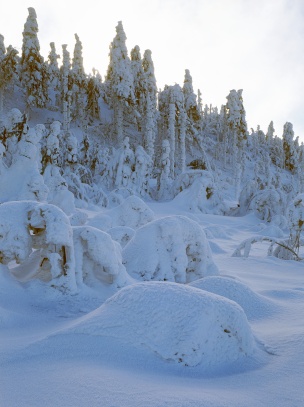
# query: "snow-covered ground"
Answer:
x=232 y=338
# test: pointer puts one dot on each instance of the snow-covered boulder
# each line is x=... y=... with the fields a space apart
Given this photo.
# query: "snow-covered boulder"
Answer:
x=132 y=212
x=179 y=323
x=174 y=248
x=98 y=257
x=254 y=305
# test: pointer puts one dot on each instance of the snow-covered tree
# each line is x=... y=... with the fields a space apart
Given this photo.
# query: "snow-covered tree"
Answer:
x=125 y=164
x=163 y=179
x=119 y=80
x=142 y=171
x=290 y=151
x=54 y=74
x=190 y=98
x=66 y=87
x=8 y=63
x=78 y=82
x=33 y=72
x=94 y=92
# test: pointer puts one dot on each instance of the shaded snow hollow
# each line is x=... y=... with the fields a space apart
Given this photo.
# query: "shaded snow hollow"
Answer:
x=179 y=323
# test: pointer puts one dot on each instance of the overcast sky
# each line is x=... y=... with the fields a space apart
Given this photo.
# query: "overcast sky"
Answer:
x=254 y=45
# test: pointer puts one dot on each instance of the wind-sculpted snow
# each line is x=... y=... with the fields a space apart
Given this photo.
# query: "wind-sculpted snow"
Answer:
x=179 y=323
x=174 y=248
x=132 y=212
x=254 y=305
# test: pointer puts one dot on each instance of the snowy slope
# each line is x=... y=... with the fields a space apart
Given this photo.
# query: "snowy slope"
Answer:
x=56 y=350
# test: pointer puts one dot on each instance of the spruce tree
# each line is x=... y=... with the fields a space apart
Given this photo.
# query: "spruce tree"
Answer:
x=119 y=80
x=8 y=64
x=150 y=113
x=65 y=73
x=33 y=73
x=190 y=98
x=290 y=150
x=54 y=74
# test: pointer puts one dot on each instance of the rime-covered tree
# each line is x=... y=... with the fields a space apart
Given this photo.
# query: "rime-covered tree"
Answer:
x=54 y=73
x=163 y=179
x=119 y=80
x=150 y=103
x=33 y=72
x=78 y=82
x=139 y=85
x=65 y=73
x=190 y=98
x=290 y=151
x=237 y=126
x=8 y=63
x=270 y=133
x=94 y=92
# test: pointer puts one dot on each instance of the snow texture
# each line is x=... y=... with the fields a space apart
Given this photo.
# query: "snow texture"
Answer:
x=254 y=305
x=179 y=323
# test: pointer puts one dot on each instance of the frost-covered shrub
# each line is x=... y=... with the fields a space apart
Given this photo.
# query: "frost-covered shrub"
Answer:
x=174 y=248
x=39 y=238
x=197 y=192
x=179 y=323
x=59 y=194
x=132 y=212
x=98 y=257
x=22 y=179
x=268 y=204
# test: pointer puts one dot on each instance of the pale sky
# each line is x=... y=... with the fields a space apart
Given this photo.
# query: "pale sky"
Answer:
x=254 y=45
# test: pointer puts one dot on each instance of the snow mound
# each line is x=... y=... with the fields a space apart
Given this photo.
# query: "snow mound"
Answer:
x=179 y=323
x=98 y=257
x=132 y=212
x=174 y=248
x=121 y=234
x=254 y=305
x=199 y=193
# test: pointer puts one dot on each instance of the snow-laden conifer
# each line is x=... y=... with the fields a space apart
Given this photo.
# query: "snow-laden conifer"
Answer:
x=8 y=64
x=119 y=79
x=33 y=73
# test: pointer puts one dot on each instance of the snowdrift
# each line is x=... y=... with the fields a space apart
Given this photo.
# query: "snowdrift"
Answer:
x=181 y=324
x=132 y=212
x=254 y=305
x=173 y=248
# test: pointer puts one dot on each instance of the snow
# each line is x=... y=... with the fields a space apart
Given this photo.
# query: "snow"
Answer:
x=133 y=272
x=70 y=350
x=178 y=251
x=176 y=322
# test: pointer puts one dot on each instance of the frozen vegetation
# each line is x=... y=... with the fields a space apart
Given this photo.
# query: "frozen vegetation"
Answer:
x=151 y=248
